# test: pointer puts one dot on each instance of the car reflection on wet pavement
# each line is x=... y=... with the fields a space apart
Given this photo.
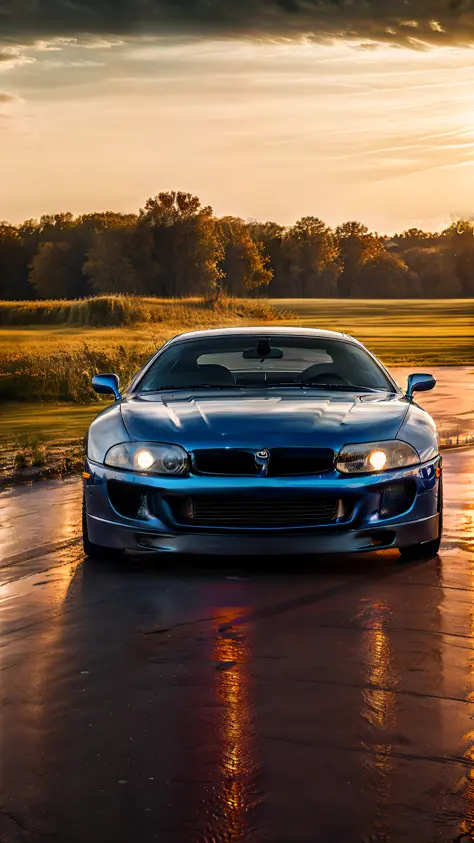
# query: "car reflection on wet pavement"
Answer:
x=269 y=700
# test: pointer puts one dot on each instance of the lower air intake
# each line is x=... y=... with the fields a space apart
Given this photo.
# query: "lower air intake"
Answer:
x=218 y=512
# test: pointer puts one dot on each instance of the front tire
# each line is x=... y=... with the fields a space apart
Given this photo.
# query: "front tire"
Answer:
x=95 y=551
x=428 y=549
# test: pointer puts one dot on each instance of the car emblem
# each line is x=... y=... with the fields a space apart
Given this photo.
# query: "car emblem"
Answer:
x=262 y=460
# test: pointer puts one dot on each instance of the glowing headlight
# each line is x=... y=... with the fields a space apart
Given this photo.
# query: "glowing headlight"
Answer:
x=149 y=457
x=144 y=459
x=378 y=460
x=371 y=457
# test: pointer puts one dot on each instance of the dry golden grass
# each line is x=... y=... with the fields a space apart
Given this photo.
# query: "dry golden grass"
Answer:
x=56 y=362
x=400 y=331
x=52 y=362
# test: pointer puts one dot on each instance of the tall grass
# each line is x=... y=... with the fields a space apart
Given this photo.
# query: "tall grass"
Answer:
x=120 y=311
x=64 y=374
x=35 y=366
x=100 y=311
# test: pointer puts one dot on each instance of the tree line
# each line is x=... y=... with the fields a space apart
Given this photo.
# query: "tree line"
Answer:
x=174 y=246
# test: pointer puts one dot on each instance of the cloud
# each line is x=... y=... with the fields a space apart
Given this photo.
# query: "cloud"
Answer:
x=10 y=57
x=412 y=23
x=11 y=110
x=10 y=101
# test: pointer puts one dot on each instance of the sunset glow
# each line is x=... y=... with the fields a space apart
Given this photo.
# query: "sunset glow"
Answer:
x=256 y=129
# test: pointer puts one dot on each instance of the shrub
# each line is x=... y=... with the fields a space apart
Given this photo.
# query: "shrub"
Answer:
x=21 y=459
x=260 y=310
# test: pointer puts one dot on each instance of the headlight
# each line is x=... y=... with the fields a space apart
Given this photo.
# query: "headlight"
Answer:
x=149 y=457
x=372 y=457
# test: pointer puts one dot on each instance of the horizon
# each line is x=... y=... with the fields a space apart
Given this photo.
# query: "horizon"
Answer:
x=385 y=235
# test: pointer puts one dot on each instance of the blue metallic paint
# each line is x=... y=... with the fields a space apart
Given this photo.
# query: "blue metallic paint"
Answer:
x=106 y=430
x=366 y=491
x=420 y=383
x=107 y=384
x=262 y=419
x=259 y=419
x=419 y=429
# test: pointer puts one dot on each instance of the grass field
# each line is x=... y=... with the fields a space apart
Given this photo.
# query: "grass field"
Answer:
x=54 y=362
x=25 y=422
x=45 y=361
x=400 y=332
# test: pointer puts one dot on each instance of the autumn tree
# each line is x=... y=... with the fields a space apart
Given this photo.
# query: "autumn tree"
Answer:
x=53 y=227
x=270 y=236
x=436 y=271
x=81 y=235
x=415 y=237
x=186 y=249
x=175 y=247
x=108 y=267
x=458 y=240
x=244 y=267
x=311 y=254
x=357 y=245
x=387 y=276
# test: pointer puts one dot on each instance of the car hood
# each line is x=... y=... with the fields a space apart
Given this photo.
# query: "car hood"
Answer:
x=252 y=420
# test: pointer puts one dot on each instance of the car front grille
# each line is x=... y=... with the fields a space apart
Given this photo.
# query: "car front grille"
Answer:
x=225 y=512
x=281 y=462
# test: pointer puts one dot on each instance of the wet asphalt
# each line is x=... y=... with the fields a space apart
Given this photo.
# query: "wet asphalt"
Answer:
x=269 y=701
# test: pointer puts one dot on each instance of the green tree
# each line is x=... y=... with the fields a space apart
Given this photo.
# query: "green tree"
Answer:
x=54 y=270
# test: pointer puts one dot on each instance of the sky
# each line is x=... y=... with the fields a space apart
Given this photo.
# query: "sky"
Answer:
x=270 y=109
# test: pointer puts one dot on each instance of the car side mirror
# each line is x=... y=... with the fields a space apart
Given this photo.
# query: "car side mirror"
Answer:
x=106 y=385
x=419 y=383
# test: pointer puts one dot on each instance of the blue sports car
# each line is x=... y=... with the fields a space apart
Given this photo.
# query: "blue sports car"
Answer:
x=263 y=441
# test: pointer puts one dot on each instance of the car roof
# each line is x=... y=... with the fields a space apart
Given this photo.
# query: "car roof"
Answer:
x=265 y=330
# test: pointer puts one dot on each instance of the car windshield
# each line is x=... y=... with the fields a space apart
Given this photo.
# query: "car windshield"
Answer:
x=264 y=361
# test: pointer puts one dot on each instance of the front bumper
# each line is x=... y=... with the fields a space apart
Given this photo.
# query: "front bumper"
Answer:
x=364 y=528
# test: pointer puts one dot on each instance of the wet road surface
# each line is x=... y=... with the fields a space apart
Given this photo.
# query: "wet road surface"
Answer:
x=270 y=702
